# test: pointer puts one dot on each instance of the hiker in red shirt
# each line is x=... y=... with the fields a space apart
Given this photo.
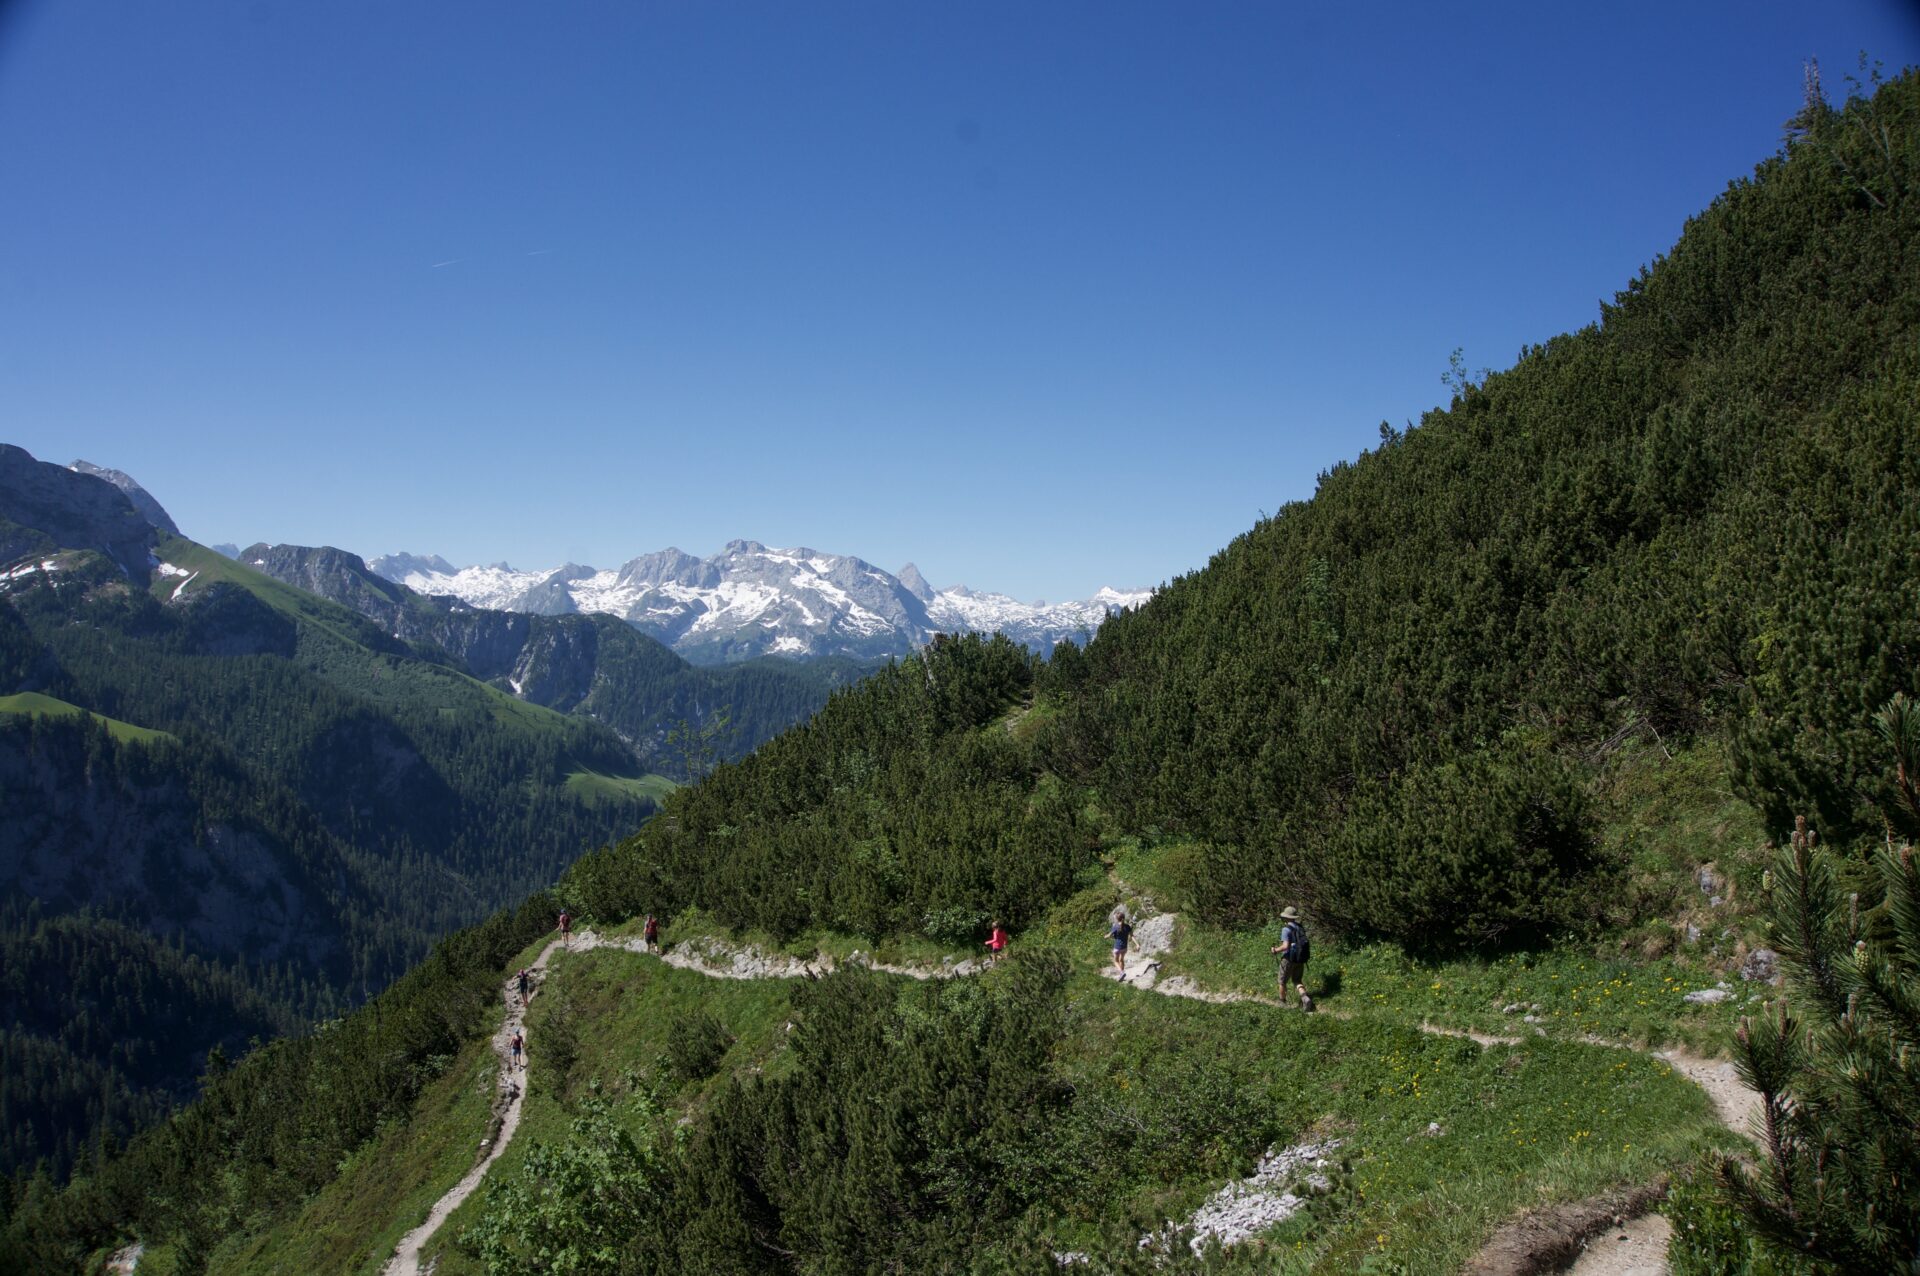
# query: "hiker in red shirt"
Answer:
x=652 y=933
x=997 y=941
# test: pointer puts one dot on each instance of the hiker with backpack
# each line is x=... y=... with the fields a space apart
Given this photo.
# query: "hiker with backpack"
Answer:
x=1121 y=933
x=1294 y=951
x=566 y=929
x=651 y=933
x=526 y=985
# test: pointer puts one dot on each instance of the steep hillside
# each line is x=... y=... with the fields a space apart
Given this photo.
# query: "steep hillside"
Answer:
x=1481 y=708
x=1695 y=519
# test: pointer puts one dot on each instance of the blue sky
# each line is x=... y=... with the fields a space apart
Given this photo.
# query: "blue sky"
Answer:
x=1039 y=296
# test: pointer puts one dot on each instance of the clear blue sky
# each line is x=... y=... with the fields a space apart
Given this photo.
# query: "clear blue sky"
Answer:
x=1042 y=296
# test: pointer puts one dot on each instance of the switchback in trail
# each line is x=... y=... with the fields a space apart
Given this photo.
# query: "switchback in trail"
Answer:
x=1153 y=939
x=704 y=957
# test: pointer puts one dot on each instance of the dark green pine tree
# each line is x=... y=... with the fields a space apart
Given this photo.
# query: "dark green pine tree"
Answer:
x=1840 y=1093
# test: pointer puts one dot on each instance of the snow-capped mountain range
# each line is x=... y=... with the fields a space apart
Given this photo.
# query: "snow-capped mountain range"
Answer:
x=749 y=600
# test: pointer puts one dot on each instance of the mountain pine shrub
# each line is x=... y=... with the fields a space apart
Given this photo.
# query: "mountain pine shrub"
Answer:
x=1840 y=1081
x=695 y=1045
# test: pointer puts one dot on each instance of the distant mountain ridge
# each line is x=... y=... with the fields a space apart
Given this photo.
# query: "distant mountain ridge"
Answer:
x=238 y=794
x=589 y=664
x=750 y=600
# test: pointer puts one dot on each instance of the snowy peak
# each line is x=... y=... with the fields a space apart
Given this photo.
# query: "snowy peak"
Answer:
x=751 y=600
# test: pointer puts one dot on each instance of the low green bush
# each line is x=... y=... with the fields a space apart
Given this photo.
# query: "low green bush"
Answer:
x=695 y=1045
x=1711 y=1239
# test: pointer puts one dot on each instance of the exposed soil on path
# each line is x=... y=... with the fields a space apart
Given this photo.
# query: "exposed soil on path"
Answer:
x=1617 y=1234
x=1547 y=1240
x=1739 y=1107
x=511 y=1091
x=1612 y=1235
x=708 y=957
x=1638 y=1248
x=717 y=959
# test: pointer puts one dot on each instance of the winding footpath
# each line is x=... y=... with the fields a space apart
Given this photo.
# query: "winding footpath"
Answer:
x=704 y=957
x=510 y=1092
x=1637 y=1247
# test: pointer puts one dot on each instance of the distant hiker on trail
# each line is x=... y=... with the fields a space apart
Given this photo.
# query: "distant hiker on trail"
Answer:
x=997 y=941
x=566 y=928
x=1294 y=952
x=518 y=1045
x=526 y=985
x=652 y=933
x=1121 y=933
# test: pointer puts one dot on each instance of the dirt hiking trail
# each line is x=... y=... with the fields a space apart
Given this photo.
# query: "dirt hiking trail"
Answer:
x=511 y=1090
x=1634 y=1246
x=705 y=957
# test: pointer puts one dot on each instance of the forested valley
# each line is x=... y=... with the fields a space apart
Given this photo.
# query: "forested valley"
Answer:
x=233 y=810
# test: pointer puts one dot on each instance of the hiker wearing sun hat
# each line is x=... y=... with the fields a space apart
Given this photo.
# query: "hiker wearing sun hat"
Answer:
x=1294 y=951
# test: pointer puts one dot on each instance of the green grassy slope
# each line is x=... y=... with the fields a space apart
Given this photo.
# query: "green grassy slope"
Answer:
x=593 y=786
x=1172 y=1099
x=33 y=704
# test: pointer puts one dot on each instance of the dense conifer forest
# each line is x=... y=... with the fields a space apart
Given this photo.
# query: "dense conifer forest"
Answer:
x=303 y=795
x=1691 y=525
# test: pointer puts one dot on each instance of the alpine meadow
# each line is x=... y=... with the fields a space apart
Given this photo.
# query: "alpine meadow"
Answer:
x=1515 y=710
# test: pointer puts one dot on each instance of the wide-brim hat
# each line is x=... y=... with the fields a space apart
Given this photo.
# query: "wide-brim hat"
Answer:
x=1289 y=914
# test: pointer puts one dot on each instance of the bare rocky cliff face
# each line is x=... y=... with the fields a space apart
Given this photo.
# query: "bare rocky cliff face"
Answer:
x=141 y=499
x=47 y=508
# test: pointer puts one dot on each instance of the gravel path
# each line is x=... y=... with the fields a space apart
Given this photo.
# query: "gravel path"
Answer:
x=708 y=957
x=1637 y=1248
x=406 y=1256
x=1738 y=1106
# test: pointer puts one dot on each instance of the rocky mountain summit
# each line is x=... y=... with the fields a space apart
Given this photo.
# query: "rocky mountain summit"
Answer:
x=750 y=600
x=45 y=509
x=141 y=499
